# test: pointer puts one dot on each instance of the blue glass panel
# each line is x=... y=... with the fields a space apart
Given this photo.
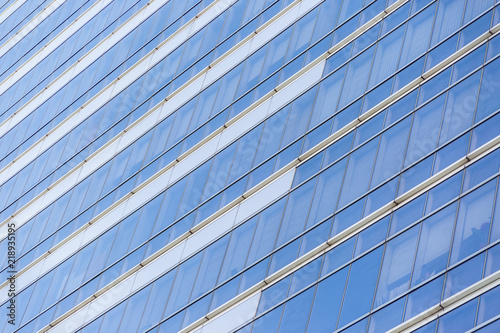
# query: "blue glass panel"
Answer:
x=296 y=312
x=269 y=322
x=209 y=268
x=424 y=297
x=444 y=192
x=327 y=302
x=434 y=245
x=390 y=151
x=486 y=104
x=489 y=304
x=273 y=295
x=460 y=107
x=358 y=172
x=481 y=170
x=387 y=318
x=464 y=275
x=305 y=276
x=396 y=268
x=326 y=193
x=386 y=57
x=296 y=212
x=371 y=236
x=417 y=36
x=338 y=256
x=237 y=250
x=356 y=79
x=328 y=94
x=446 y=19
x=460 y=319
x=473 y=222
x=360 y=287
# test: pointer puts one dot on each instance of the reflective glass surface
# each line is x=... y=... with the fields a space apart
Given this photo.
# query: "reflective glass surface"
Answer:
x=380 y=114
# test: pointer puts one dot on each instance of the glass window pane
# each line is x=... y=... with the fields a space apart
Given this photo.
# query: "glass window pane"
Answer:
x=386 y=57
x=372 y=236
x=305 y=276
x=296 y=212
x=328 y=95
x=425 y=297
x=296 y=312
x=488 y=305
x=473 y=222
x=387 y=318
x=209 y=268
x=443 y=193
x=266 y=231
x=356 y=78
x=390 y=152
x=464 y=275
x=269 y=322
x=417 y=36
x=487 y=104
x=298 y=117
x=156 y=303
x=396 y=269
x=133 y=312
x=360 y=288
x=326 y=193
x=447 y=19
x=338 y=256
x=274 y=294
x=327 y=303
x=460 y=107
x=237 y=250
x=425 y=130
x=181 y=290
x=434 y=244
x=458 y=320
x=358 y=172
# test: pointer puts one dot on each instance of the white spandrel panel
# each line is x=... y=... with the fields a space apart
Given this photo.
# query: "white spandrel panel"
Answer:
x=265 y=196
x=240 y=127
x=25 y=280
x=195 y=159
x=102 y=225
x=209 y=233
x=159 y=266
x=62 y=253
x=275 y=28
x=297 y=87
x=109 y=299
x=234 y=317
x=73 y=322
x=227 y=64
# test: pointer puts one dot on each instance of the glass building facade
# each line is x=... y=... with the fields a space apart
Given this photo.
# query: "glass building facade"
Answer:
x=250 y=166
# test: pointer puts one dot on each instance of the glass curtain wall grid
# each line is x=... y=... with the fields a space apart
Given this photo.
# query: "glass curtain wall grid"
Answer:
x=20 y=17
x=126 y=153
x=161 y=128
x=334 y=165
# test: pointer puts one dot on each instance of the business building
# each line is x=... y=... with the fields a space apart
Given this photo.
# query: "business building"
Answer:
x=250 y=166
